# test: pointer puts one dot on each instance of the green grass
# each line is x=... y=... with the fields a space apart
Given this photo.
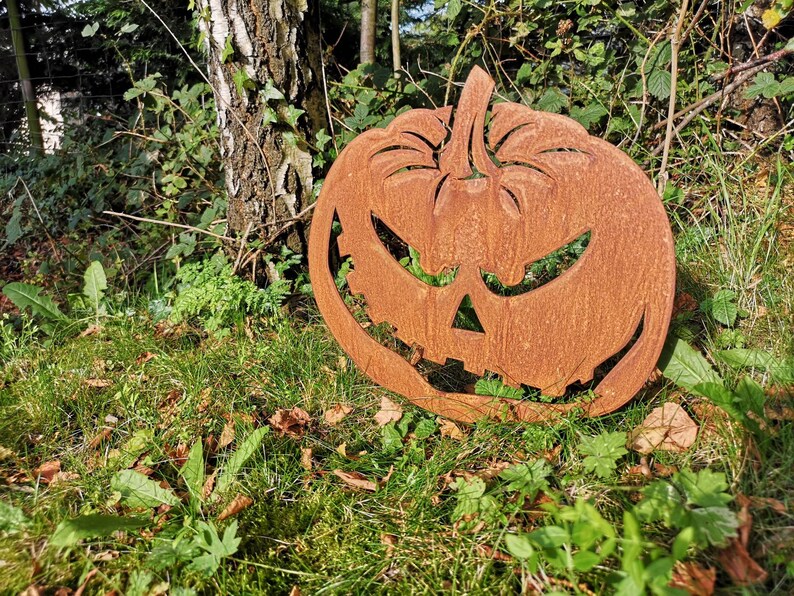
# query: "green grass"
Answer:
x=307 y=528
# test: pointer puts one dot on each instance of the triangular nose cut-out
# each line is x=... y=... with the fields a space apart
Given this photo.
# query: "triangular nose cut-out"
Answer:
x=466 y=317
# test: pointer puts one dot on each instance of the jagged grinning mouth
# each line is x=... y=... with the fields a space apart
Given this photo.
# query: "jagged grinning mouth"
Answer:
x=538 y=273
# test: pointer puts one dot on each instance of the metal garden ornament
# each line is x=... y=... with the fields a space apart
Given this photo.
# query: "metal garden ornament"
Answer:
x=480 y=202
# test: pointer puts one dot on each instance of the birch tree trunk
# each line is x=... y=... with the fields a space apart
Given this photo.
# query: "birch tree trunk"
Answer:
x=264 y=65
x=369 y=17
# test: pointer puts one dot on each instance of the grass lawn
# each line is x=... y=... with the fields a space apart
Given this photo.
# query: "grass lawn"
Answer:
x=152 y=458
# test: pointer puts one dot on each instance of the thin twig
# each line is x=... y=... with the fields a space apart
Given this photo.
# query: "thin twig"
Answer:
x=172 y=225
x=55 y=251
x=701 y=105
x=773 y=57
x=675 y=42
x=242 y=246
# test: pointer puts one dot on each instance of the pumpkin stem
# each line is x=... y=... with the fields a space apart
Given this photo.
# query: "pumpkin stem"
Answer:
x=467 y=145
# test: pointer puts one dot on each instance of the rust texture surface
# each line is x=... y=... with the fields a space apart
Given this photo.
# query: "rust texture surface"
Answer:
x=476 y=201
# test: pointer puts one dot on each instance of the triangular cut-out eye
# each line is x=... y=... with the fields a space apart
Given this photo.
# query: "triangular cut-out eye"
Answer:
x=466 y=317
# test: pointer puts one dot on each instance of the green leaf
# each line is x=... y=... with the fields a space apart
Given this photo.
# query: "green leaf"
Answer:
x=713 y=525
x=528 y=479
x=704 y=488
x=236 y=462
x=293 y=114
x=722 y=397
x=12 y=519
x=603 y=452
x=129 y=28
x=270 y=92
x=453 y=9
x=746 y=358
x=193 y=470
x=552 y=100
x=723 y=307
x=28 y=296
x=139 y=491
x=764 y=84
x=424 y=428
x=659 y=82
x=519 y=545
x=215 y=547
x=472 y=501
x=90 y=30
x=70 y=532
x=549 y=537
x=95 y=284
x=496 y=388
x=589 y=114
x=751 y=396
x=391 y=439
x=228 y=49
x=685 y=366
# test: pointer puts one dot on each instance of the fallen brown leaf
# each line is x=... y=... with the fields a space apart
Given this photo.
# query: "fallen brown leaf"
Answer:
x=663 y=470
x=106 y=555
x=5 y=453
x=693 y=578
x=306 y=458
x=290 y=422
x=100 y=437
x=684 y=303
x=97 y=383
x=209 y=484
x=488 y=552
x=60 y=477
x=46 y=471
x=90 y=330
x=88 y=577
x=295 y=591
x=227 y=435
x=144 y=358
x=389 y=412
x=239 y=503
x=450 y=429
x=356 y=480
x=335 y=415
x=667 y=428
x=735 y=559
x=739 y=565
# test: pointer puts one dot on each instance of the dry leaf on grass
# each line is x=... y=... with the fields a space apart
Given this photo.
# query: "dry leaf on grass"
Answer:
x=209 y=484
x=100 y=437
x=356 y=480
x=488 y=552
x=306 y=458
x=693 y=578
x=239 y=503
x=735 y=559
x=295 y=591
x=47 y=471
x=684 y=303
x=61 y=477
x=227 y=435
x=90 y=330
x=144 y=358
x=97 y=383
x=389 y=412
x=667 y=428
x=336 y=414
x=450 y=429
x=290 y=422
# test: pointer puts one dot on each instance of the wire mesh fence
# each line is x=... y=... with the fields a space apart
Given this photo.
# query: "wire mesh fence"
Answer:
x=76 y=78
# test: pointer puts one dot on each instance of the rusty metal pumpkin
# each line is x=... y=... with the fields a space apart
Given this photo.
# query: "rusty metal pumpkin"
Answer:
x=540 y=183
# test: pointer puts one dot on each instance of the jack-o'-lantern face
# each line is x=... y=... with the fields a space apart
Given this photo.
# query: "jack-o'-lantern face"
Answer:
x=492 y=206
